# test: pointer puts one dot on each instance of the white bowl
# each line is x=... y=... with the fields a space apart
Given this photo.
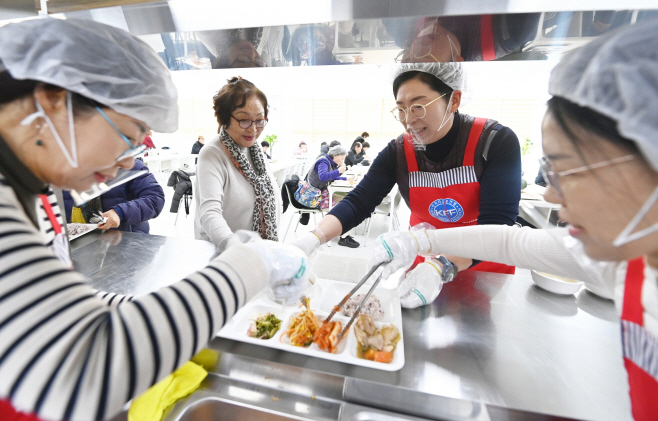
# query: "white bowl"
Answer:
x=556 y=284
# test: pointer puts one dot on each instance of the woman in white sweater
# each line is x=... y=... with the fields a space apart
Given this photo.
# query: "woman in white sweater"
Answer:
x=77 y=100
x=234 y=188
x=601 y=161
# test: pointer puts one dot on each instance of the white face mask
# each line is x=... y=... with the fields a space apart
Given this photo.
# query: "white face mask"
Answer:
x=627 y=235
x=72 y=158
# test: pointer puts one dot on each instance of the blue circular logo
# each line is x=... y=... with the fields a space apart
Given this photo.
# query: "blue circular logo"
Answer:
x=446 y=210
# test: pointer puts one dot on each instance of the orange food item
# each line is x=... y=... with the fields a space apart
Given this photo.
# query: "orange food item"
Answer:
x=383 y=357
x=326 y=337
x=370 y=354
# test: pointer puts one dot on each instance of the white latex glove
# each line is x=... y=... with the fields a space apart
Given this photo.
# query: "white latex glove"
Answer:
x=421 y=285
x=308 y=243
x=402 y=247
x=289 y=273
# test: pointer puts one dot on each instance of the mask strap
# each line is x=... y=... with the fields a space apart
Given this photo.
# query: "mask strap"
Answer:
x=626 y=237
x=40 y=113
x=443 y=120
x=453 y=48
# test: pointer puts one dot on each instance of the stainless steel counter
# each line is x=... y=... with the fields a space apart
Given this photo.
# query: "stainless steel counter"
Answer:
x=489 y=338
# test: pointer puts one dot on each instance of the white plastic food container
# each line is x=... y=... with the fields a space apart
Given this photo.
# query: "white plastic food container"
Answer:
x=556 y=284
x=330 y=294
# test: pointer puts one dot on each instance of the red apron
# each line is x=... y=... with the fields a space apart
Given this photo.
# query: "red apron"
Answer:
x=450 y=198
x=640 y=348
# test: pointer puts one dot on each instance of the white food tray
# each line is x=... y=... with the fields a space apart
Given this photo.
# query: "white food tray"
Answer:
x=90 y=227
x=324 y=296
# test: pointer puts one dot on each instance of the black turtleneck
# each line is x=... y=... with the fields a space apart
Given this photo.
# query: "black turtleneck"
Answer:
x=25 y=184
x=500 y=182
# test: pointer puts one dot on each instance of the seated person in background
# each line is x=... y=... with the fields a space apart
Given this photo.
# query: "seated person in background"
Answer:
x=302 y=149
x=364 y=150
x=266 y=147
x=196 y=148
x=324 y=148
x=333 y=143
x=354 y=155
x=328 y=168
x=127 y=207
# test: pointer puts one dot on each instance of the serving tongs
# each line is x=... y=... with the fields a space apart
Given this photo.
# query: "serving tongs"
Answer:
x=349 y=294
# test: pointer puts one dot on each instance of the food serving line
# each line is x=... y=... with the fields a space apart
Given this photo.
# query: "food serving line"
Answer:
x=490 y=346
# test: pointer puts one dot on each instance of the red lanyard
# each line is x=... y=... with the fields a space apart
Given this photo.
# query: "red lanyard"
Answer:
x=51 y=215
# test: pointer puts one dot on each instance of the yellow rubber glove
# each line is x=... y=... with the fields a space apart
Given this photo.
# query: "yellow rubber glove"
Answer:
x=152 y=404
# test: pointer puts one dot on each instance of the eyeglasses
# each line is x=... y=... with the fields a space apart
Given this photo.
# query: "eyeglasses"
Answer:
x=417 y=110
x=552 y=177
x=425 y=52
x=133 y=151
x=245 y=124
x=245 y=59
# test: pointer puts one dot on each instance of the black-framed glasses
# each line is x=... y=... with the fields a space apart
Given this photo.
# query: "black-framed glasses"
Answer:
x=417 y=110
x=552 y=177
x=246 y=123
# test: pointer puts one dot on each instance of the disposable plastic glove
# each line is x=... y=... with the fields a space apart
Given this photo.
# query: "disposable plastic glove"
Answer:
x=289 y=273
x=401 y=247
x=423 y=284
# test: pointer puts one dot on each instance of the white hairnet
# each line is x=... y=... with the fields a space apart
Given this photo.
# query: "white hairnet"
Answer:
x=97 y=61
x=617 y=75
x=451 y=73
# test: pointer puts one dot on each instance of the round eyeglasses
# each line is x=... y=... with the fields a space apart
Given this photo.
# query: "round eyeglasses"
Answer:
x=552 y=177
x=245 y=124
x=417 y=110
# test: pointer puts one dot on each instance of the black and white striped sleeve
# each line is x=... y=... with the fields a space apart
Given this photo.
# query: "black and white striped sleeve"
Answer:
x=68 y=353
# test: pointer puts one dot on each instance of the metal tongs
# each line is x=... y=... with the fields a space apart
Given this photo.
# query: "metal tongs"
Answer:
x=349 y=294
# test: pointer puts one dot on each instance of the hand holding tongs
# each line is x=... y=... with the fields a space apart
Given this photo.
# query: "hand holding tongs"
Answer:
x=349 y=294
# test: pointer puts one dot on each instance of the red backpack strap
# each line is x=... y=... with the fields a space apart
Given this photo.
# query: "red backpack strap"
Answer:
x=487 y=38
x=473 y=138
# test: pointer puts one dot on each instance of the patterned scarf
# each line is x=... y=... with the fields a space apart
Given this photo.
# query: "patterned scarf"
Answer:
x=264 y=221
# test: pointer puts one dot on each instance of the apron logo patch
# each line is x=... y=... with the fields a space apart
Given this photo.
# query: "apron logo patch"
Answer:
x=446 y=210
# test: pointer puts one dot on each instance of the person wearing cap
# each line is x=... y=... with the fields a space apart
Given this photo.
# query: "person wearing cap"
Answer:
x=301 y=149
x=601 y=164
x=71 y=115
x=452 y=169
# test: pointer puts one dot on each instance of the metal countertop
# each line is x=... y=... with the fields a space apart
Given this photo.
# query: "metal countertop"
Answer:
x=492 y=338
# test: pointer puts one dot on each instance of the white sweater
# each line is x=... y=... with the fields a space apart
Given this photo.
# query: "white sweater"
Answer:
x=540 y=250
x=224 y=198
x=68 y=353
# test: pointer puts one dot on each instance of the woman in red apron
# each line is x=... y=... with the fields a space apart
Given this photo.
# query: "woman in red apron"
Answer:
x=451 y=169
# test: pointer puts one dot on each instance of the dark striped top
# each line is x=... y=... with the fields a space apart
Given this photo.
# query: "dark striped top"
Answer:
x=68 y=352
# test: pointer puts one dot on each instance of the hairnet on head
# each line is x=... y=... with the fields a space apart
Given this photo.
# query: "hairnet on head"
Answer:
x=450 y=73
x=97 y=61
x=617 y=75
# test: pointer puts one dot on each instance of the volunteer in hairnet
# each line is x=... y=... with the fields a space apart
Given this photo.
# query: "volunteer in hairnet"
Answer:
x=71 y=115
x=601 y=162
x=452 y=169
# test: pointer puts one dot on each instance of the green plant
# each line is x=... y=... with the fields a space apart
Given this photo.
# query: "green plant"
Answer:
x=271 y=139
x=527 y=145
